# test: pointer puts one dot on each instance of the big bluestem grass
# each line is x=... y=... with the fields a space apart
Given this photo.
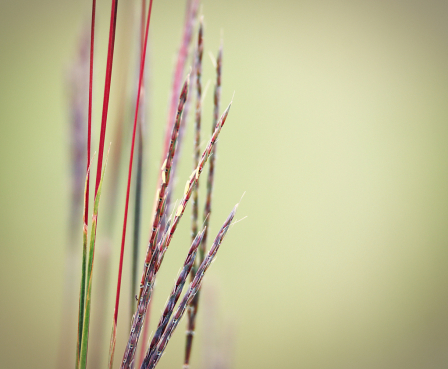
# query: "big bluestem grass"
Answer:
x=163 y=227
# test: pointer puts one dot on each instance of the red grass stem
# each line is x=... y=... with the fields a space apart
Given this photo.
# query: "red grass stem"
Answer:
x=123 y=238
x=110 y=57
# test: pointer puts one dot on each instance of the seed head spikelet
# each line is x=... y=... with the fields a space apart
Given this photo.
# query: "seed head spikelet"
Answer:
x=195 y=205
x=191 y=292
x=166 y=168
x=174 y=296
x=153 y=264
x=197 y=128
x=192 y=7
x=139 y=316
x=166 y=215
x=191 y=183
x=211 y=172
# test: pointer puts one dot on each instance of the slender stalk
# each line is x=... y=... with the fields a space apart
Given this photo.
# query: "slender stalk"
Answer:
x=194 y=222
x=123 y=238
x=139 y=170
x=174 y=296
x=89 y=274
x=110 y=58
x=189 y=295
x=137 y=219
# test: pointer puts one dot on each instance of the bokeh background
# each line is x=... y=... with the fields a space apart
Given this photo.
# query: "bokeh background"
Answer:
x=338 y=136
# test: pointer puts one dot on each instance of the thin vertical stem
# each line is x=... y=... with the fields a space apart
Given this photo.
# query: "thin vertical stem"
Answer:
x=110 y=58
x=123 y=238
x=139 y=169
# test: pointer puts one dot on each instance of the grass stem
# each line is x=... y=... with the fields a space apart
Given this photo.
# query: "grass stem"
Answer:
x=110 y=58
x=123 y=238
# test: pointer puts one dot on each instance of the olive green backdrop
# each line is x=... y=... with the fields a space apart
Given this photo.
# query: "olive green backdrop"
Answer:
x=338 y=136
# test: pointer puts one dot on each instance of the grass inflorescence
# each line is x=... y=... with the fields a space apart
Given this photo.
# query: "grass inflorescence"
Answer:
x=163 y=226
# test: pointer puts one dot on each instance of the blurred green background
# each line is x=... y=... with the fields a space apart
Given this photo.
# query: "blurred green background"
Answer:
x=338 y=135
